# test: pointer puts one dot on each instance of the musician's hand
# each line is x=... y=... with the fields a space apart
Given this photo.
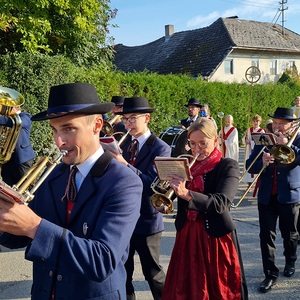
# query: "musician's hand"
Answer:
x=281 y=139
x=18 y=219
x=179 y=187
x=268 y=158
x=187 y=147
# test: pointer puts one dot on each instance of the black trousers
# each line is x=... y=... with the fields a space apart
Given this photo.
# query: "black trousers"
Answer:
x=148 y=249
x=287 y=214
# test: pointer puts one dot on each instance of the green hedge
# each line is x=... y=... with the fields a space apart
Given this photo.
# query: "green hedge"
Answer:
x=33 y=75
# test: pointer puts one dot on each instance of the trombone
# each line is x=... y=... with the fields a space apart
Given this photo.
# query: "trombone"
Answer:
x=283 y=154
x=254 y=160
x=163 y=202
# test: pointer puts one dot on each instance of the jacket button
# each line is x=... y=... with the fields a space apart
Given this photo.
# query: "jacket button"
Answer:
x=59 y=278
x=50 y=273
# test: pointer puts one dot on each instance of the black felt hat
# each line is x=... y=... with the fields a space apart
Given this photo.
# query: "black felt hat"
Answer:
x=284 y=113
x=193 y=101
x=118 y=100
x=73 y=98
x=136 y=104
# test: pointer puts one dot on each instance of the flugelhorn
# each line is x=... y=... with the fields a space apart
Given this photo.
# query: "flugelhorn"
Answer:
x=9 y=99
x=124 y=135
x=163 y=202
x=34 y=177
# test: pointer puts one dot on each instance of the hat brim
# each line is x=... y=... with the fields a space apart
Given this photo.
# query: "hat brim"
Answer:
x=131 y=111
x=285 y=117
x=101 y=108
x=198 y=105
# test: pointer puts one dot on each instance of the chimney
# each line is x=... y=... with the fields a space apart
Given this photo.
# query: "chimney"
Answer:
x=169 y=31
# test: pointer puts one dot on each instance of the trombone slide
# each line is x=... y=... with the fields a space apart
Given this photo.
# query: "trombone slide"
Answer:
x=249 y=187
x=254 y=160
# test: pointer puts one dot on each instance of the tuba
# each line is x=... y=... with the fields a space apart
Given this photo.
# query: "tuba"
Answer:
x=9 y=99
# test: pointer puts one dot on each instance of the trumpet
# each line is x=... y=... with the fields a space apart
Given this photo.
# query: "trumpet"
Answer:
x=163 y=202
x=20 y=192
x=283 y=154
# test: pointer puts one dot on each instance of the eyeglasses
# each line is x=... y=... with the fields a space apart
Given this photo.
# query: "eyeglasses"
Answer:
x=131 y=119
x=201 y=145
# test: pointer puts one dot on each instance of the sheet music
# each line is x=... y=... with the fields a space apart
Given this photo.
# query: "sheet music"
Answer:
x=167 y=166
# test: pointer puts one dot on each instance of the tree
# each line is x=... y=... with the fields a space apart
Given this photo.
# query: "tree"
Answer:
x=74 y=28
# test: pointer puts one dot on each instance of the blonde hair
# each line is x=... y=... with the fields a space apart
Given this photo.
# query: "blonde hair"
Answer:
x=206 y=126
x=257 y=118
x=90 y=118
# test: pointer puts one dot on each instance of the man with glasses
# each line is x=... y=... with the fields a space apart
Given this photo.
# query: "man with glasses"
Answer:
x=139 y=150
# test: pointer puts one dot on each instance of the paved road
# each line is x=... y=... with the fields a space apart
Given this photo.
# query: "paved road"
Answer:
x=15 y=275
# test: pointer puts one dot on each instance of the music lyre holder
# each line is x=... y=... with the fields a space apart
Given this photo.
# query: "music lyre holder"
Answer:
x=264 y=139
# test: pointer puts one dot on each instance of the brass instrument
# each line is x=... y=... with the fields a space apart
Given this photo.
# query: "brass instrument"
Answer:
x=284 y=154
x=163 y=202
x=221 y=116
x=107 y=127
x=9 y=99
x=254 y=160
x=124 y=135
x=31 y=178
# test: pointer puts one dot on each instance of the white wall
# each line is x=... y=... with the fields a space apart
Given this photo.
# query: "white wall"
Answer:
x=242 y=61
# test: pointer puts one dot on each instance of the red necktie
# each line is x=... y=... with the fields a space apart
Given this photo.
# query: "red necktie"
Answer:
x=133 y=150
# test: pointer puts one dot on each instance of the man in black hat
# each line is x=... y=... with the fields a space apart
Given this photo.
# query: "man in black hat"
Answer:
x=193 y=111
x=118 y=124
x=78 y=227
x=139 y=150
x=278 y=195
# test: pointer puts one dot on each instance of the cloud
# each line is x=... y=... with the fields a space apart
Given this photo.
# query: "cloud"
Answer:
x=265 y=10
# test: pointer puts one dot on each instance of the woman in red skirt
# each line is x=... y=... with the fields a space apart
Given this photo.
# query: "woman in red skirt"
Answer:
x=206 y=262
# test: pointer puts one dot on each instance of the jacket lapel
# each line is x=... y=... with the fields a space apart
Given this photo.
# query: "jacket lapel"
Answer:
x=59 y=183
x=145 y=149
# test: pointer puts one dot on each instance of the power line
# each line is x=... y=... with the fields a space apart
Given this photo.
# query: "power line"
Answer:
x=250 y=3
x=280 y=11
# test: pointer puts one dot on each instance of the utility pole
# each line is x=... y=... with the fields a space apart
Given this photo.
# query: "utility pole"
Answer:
x=282 y=9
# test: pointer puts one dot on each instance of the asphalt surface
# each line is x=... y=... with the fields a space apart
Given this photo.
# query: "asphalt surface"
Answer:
x=16 y=277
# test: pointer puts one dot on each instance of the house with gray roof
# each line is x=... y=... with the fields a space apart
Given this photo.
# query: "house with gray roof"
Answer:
x=228 y=50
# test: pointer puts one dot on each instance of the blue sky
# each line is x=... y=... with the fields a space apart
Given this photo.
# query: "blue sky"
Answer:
x=143 y=21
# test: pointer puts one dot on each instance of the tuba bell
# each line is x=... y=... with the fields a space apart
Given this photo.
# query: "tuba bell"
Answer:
x=9 y=99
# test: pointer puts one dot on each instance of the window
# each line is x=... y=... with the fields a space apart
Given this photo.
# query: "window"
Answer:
x=255 y=63
x=291 y=64
x=273 y=67
x=228 y=65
